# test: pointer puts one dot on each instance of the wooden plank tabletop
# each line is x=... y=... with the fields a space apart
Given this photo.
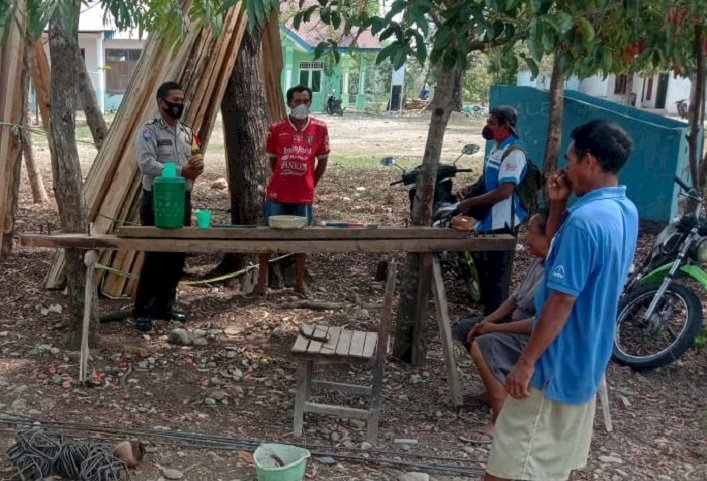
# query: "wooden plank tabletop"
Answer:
x=254 y=246
x=307 y=233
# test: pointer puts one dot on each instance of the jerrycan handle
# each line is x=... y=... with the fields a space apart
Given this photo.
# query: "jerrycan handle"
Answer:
x=169 y=169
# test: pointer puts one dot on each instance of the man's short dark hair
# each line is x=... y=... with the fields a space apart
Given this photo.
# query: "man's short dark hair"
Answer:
x=606 y=141
x=163 y=90
x=298 y=88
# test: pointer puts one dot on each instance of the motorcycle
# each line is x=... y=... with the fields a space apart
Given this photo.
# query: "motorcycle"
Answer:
x=333 y=105
x=659 y=316
x=444 y=208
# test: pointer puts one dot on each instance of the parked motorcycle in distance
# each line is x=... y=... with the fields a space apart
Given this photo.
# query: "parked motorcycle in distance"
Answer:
x=682 y=108
x=659 y=316
x=444 y=192
x=333 y=105
x=444 y=208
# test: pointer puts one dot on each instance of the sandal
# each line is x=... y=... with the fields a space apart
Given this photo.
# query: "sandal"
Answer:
x=480 y=438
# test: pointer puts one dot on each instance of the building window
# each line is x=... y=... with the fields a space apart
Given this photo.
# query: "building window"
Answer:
x=649 y=89
x=353 y=83
x=620 y=84
x=120 y=65
x=310 y=75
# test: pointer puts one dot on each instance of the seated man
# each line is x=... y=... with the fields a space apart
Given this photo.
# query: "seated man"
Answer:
x=496 y=341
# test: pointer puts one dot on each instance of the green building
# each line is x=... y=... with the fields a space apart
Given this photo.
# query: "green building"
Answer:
x=347 y=79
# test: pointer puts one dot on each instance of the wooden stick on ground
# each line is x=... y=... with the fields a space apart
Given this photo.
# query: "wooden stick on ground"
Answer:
x=90 y=259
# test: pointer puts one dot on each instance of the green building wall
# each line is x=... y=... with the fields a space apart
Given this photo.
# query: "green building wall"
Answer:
x=321 y=83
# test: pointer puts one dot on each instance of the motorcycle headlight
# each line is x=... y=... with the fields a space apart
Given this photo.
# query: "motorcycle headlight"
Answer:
x=702 y=251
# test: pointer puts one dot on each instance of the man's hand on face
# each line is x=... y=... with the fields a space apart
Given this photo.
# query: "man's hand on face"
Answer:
x=558 y=186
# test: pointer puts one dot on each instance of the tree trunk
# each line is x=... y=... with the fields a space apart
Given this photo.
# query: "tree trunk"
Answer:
x=696 y=105
x=89 y=102
x=41 y=78
x=39 y=193
x=14 y=87
x=245 y=115
x=554 y=132
x=457 y=98
x=66 y=169
x=410 y=341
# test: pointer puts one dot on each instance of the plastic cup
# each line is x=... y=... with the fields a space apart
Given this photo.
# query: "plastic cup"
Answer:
x=203 y=218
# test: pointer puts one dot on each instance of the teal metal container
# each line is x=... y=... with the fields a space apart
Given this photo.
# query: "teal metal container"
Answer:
x=168 y=193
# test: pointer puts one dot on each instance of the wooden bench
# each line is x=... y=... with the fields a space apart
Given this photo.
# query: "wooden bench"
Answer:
x=327 y=345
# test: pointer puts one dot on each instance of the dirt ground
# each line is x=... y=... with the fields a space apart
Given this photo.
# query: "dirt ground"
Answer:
x=240 y=385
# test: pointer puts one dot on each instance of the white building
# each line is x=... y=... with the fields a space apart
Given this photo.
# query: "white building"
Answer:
x=110 y=55
x=661 y=91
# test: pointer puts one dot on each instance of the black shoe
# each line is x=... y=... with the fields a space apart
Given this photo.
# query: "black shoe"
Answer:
x=143 y=324
x=172 y=315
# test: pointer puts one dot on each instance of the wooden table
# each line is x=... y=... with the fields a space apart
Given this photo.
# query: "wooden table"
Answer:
x=422 y=240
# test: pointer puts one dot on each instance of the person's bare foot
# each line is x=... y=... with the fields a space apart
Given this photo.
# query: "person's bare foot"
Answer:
x=482 y=435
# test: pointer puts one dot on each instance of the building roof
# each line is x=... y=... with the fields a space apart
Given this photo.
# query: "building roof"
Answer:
x=311 y=33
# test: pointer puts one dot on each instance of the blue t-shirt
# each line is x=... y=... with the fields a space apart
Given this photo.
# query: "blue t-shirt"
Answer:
x=499 y=171
x=589 y=258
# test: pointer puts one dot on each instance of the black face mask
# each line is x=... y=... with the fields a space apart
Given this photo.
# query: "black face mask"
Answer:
x=487 y=133
x=174 y=110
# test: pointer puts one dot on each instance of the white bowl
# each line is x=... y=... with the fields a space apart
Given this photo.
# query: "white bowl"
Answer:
x=287 y=221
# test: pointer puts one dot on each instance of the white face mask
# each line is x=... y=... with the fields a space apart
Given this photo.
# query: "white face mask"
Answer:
x=300 y=112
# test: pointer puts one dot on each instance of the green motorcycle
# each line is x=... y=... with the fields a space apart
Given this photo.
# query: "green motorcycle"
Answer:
x=659 y=314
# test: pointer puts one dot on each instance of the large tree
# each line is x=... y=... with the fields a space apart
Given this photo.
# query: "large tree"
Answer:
x=245 y=115
x=66 y=168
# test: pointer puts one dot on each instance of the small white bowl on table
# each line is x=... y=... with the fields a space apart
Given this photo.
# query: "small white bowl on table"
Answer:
x=287 y=221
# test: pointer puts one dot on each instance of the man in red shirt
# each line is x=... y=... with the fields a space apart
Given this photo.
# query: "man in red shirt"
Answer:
x=298 y=147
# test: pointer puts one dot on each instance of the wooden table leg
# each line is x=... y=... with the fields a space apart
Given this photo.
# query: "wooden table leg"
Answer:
x=90 y=259
x=445 y=332
x=304 y=383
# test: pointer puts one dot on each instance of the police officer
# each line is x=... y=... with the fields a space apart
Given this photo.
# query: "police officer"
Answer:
x=164 y=139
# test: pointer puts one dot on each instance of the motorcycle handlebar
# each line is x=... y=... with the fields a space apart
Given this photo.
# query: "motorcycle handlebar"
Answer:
x=397 y=182
x=464 y=170
x=682 y=184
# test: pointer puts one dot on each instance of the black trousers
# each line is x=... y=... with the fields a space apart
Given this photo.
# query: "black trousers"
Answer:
x=494 y=268
x=161 y=271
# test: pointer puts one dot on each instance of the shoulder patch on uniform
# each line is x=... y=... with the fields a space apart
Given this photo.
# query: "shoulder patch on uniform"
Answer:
x=146 y=134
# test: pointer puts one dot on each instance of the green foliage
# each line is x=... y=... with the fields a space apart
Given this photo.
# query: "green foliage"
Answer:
x=701 y=339
x=477 y=79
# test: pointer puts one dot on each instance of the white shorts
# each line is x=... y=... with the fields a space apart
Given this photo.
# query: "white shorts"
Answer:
x=538 y=439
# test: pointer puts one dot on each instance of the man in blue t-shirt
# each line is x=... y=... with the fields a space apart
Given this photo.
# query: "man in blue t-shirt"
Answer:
x=498 y=208
x=544 y=429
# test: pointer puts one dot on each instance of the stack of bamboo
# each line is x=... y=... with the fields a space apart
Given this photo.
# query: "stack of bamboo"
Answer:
x=12 y=101
x=202 y=65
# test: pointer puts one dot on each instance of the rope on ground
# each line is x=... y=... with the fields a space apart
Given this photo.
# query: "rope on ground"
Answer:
x=38 y=455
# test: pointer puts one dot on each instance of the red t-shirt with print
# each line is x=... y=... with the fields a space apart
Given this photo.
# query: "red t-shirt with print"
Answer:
x=292 y=181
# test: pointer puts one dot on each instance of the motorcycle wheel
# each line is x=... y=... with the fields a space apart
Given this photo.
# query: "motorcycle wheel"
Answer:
x=679 y=322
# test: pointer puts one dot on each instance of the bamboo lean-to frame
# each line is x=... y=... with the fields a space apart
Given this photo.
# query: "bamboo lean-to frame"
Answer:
x=202 y=65
x=11 y=111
